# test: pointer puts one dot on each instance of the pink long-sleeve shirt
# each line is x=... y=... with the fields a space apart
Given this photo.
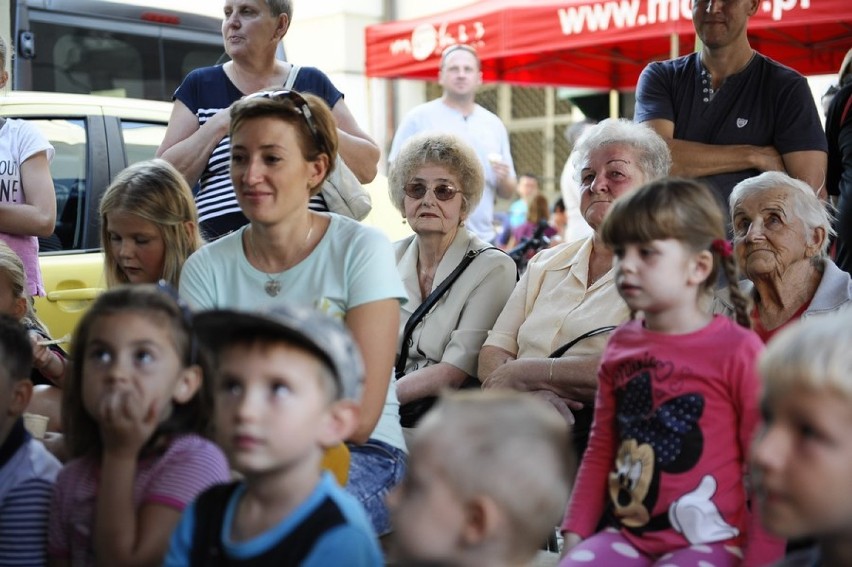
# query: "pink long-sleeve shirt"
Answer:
x=674 y=419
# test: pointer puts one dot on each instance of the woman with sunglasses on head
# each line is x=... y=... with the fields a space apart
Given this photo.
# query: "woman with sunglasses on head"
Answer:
x=283 y=145
x=436 y=182
x=197 y=142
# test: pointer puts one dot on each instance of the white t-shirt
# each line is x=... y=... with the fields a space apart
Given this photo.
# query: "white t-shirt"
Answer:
x=352 y=265
x=19 y=141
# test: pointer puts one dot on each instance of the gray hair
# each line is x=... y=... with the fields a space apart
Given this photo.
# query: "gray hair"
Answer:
x=446 y=150
x=279 y=7
x=806 y=205
x=653 y=153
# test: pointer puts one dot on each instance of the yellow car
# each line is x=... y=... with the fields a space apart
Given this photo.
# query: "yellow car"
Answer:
x=95 y=138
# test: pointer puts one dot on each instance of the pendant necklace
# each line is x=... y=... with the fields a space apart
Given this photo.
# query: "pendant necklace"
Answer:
x=272 y=287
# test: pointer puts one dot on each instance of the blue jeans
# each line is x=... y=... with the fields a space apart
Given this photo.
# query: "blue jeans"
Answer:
x=374 y=469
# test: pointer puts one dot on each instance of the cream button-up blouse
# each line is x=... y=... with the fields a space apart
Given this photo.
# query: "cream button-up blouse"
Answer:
x=551 y=305
x=454 y=329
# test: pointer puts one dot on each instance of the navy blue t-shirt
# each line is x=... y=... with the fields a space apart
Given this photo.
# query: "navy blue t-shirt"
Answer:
x=765 y=104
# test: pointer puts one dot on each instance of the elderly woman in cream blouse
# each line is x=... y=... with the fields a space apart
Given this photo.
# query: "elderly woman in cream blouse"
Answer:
x=436 y=181
x=569 y=290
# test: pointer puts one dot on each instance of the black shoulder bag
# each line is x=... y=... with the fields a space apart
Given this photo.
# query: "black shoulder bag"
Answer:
x=410 y=413
x=582 y=418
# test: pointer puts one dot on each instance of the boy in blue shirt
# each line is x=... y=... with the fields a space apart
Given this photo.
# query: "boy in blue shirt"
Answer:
x=286 y=389
x=27 y=470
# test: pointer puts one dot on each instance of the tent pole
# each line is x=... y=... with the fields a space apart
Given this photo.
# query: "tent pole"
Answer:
x=613 y=103
x=674 y=50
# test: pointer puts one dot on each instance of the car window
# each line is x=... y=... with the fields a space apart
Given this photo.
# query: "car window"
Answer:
x=68 y=169
x=141 y=139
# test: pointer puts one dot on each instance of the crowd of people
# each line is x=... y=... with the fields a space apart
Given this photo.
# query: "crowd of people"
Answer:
x=269 y=381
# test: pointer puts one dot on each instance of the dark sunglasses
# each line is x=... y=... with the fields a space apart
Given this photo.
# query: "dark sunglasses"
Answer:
x=300 y=105
x=442 y=191
x=168 y=289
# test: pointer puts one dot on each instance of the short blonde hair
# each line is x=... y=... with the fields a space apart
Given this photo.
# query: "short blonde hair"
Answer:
x=445 y=150
x=814 y=353
x=481 y=436
x=12 y=268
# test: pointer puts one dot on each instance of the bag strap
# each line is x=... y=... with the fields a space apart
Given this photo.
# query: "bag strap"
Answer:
x=587 y=335
x=846 y=110
x=291 y=77
x=429 y=302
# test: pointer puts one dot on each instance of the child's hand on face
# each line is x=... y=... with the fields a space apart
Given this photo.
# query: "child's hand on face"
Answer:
x=126 y=423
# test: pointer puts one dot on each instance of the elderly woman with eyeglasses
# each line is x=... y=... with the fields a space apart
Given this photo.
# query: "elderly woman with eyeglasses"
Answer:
x=436 y=182
x=282 y=147
x=781 y=231
x=196 y=141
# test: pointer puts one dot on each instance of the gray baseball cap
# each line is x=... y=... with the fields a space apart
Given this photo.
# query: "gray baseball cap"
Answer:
x=305 y=328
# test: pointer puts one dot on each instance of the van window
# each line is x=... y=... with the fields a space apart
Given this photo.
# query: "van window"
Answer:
x=73 y=59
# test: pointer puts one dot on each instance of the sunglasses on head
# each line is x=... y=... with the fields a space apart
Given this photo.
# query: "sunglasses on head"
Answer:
x=442 y=191
x=300 y=105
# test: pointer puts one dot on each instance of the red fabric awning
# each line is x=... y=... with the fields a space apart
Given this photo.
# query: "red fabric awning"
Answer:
x=604 y=43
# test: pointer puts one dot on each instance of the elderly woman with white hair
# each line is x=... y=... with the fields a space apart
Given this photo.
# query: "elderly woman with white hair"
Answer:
x=568 y=293
x=781 y=232
x=436 y=182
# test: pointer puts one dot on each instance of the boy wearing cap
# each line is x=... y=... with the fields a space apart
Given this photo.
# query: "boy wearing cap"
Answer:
x=287 y=386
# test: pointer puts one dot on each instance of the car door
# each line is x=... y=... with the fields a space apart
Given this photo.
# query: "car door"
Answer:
x=70 y=258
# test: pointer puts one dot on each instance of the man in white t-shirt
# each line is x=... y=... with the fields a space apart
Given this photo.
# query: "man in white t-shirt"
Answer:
x=456 y=112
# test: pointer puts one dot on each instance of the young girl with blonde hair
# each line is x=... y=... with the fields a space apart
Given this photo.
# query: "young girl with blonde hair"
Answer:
x=149 y=224
x=48 y=360
x=676 y=406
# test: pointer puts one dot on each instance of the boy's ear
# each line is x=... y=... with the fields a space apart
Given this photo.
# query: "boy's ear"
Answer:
x=701 y=267
x=22 y=393
x=482 y=521
x=188 y=384
x=341 y=423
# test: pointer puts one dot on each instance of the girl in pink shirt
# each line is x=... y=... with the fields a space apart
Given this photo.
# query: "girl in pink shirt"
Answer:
x=137 y=406
x=676 y=405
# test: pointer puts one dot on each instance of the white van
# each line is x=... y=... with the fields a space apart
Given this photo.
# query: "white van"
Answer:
x=118 y=48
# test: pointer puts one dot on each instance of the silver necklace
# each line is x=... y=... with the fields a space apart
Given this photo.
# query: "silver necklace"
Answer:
x=272 y=287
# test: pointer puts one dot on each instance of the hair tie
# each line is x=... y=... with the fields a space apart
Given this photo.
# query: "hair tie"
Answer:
x=722 y=247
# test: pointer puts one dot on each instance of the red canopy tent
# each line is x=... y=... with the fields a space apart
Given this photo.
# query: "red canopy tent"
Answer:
x=604 y=43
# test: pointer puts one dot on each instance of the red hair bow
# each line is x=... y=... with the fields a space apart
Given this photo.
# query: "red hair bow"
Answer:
x=722 y=247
